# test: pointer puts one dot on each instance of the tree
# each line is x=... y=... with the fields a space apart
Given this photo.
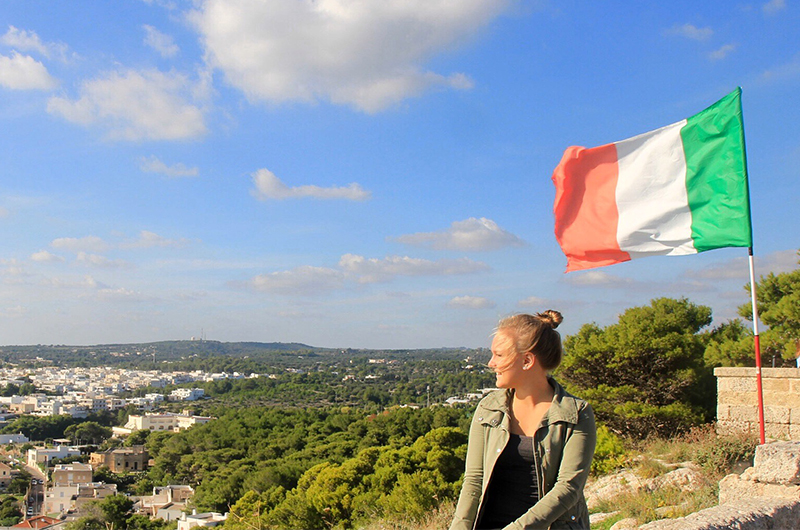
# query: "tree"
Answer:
x=730 y=344
x=646 y=373
x=778 y=297
x=88 y=431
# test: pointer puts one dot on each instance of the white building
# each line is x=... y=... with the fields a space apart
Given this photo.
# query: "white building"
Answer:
x=186 y=394
x=6 y=439
x=201 y=519
x=40 y=455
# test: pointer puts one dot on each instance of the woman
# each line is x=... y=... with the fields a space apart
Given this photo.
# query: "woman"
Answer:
x=530 y=443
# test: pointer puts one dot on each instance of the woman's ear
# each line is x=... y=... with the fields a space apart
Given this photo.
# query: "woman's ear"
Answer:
x=528 y=361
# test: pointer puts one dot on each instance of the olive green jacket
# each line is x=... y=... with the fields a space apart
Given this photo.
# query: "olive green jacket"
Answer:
x=563 y=449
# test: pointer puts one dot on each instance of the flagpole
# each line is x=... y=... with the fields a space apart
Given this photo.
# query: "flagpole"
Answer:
x=753 y=302
x=757 y=344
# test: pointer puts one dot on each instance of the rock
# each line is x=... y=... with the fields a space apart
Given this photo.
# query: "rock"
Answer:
x=595 y=518
x=736 y=488
x=609 y=486
x=778 y=463
x=753 y=514
x=625 y=524
x=685 y=478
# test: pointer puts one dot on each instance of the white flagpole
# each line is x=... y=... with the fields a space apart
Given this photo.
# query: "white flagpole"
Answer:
x=757 y=344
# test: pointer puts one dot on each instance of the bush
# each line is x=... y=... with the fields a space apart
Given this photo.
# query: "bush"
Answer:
x=609 y=454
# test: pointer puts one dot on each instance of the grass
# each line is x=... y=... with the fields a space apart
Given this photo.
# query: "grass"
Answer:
x=715 y=456
x=437 y=519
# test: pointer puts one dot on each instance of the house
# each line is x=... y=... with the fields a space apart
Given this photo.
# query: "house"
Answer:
x=163 y=422
x=72 y=497
x=6 y=474
x=201 y=519
x=121 y=459
x=38 y=523
x=6 y=439
x=175 y=496
x=40 y=455
x=70 y=474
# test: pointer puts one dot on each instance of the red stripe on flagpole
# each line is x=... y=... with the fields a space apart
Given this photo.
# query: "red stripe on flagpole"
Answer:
x=586 y=208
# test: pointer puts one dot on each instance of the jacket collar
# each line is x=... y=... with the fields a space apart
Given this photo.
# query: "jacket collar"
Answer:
x=564 y=407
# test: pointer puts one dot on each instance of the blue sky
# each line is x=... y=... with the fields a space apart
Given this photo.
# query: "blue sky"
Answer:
x=357 y=173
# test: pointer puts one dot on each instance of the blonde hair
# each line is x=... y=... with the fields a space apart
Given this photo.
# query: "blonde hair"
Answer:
x=536 y=334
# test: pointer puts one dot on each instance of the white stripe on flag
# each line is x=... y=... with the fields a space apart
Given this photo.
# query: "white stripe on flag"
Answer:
x=654 y=215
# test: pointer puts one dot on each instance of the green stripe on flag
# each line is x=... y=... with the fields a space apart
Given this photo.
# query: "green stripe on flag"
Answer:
x=716 y=175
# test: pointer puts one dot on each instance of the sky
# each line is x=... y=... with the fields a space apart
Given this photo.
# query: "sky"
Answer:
x=358 y=173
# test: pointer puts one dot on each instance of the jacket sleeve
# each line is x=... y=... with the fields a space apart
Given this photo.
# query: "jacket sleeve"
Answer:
x=576 y=462
x=469 y=500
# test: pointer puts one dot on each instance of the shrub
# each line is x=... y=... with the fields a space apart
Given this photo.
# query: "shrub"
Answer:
x=609 y=454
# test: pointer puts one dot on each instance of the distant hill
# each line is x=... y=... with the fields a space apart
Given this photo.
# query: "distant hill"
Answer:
x=188 y=354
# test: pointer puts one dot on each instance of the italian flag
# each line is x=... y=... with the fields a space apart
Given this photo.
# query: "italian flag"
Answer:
x=681 y=189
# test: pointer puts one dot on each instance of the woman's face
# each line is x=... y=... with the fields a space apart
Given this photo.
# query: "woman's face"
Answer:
x=507 y=365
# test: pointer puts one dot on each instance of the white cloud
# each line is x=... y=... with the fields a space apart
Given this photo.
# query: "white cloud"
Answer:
x=29 y=41
x=23 y=72
x=304 y=280
x=469 y=235
x=149 y=239
x=470 y=302
x=76 y=244
x=782 y=72
x=268 y=186
x=692 y=32
x=154 y=165
x=95 y=260
x=160 y=42
x=44 y=256
x=598 y=279
x=13 y=312
x=136 y=105
x=532 y=301
x=380 y=270
x=121 y=294
x=774 y=6
x=368 y=55
x=722 y=52
x=739 y=268
x=87 y=282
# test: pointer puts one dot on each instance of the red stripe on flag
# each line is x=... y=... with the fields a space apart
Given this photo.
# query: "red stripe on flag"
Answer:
x=586 y=208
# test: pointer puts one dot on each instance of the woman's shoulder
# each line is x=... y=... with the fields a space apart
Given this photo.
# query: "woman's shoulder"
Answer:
x=496 y=399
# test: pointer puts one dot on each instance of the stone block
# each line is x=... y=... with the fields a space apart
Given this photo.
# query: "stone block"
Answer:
x=736 y=384
x=775 y=385
x=748 y=413
x=777 y=431
x=794 y=431
x=738 y=398
x=783 y=399
x=736 y=488
x=752 y=514
x=776 y=414
x=734 y=427
x=777 y=463
x=724 y=412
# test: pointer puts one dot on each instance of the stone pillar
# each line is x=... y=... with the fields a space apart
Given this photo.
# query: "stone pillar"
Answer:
x=737 y=401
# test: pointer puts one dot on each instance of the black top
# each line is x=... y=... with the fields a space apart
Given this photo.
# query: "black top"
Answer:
x=513 y=486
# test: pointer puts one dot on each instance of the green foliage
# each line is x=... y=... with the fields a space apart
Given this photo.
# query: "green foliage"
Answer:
x=645 y=374
x=718 y=454
x=730 y=344
x=778 y=308
x=406 y=481
x=609 y=454
x=10 y=514
x=20 y=482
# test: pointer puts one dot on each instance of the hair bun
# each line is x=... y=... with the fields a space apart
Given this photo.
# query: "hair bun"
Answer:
x=551 y=317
